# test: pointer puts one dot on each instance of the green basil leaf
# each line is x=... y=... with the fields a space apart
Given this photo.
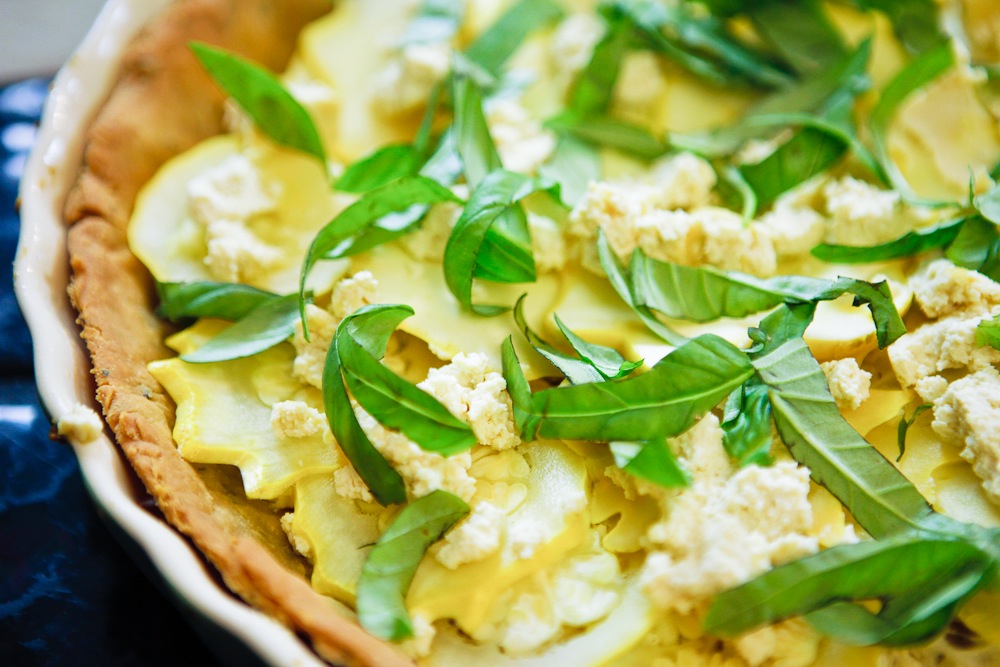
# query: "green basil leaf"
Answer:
x=735 y=191
x=385 y=165
x=576 y=370
x=498 y=193
x=913 y=575
x=809 y=152
x=227 y=301
x=385 y=483
x=988 y=205
x=917 y=74
x=389 y=568
x=664 y=402
x=879 y=497
x=988 y=332
x=262 y=328
x=621 y=280
x=335 y=239
x=976 y=246
x=652 y=461
x=594 y=88
x=912 y=243
x=495 y=45
x=607 y=360
x=800 y=31
x=602 y=130
x=260 y=94
x=703 y=45
x=393 y=401
x=704 y=294
x=746 y=424
x=573 y=165
x=915 y=22
x=472 y=135
x=437 y=21
x=905 y=424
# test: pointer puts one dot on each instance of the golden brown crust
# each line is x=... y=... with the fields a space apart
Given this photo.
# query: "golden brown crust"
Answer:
x=161 y=105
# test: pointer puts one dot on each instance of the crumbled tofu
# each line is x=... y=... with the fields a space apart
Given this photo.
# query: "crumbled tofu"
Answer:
x=862 y=214
x=81 y=425
x=310 y=355
x=792 y=643
x=548 y=243
x=521 y=141
x=474 y=393
x=236 y=254
x=352 y=293
x=422 y=471
x=232 y=190
x=427 y=243
x=794 y=230
x=405 y=84
x=301 y=545
x=419 y=645
x=969 y=413
x=296 y=419
x=849 y=384
x=719 y=534
x=573 y=41
x=949 y=343
x=475 y=538
x=941 y=288
x=681 y=181
x=931 y=388
x=347 y=483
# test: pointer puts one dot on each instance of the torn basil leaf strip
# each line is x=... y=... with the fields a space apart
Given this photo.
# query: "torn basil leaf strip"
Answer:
x=607 y=360
x=988 y=332
x=226 y=301
x=912 y=243
x=746 y=424
x=602 y=130
x=393 y=561
x=663 y=402
x=704 y=294
x=652 y=461
x=810 y=424
x=498 y=42
x=262 y=96
x=915 y=22
x=809 y=152
x=498 y=193
x=915 y=576
x=391 y=400
x=801 y=32
x=594 y=87
x=385 y=483
x=905 y=424
x=335 y=239
x=379 y=168
x=270 y=323
x=976 y=246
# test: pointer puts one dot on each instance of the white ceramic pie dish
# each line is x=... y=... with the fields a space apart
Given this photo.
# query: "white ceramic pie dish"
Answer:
x=62 y=366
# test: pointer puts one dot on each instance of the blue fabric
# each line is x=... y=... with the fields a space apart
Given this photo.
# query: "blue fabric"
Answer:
x=69 y=593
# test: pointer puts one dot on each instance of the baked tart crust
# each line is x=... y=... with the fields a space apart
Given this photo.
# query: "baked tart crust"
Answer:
x=162 y=104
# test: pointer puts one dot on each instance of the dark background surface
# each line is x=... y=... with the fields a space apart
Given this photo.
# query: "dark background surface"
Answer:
x=69 y=592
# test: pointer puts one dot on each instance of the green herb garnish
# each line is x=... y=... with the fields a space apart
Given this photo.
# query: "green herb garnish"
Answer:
x=261 y=328
x=260 y=94
x=393 y=561
x=226 y=301
x=652 y=461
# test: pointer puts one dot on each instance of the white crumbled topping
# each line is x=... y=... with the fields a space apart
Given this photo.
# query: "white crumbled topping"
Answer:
x=575 y=593
x=792 y=643
x=474 y=393
x=521 y=141
x=949 y=343
x=301 y=545
x=81 y=425
x=475 y=538
x=794 y=229
x=681 y=181
x=640 y=83
x=968 y=413
x=422 y=471
x=419 y=645
x=849 y=384
x=862 y=214
x=352 y=293
x=427 y=243
x=941 y=288
x=347 y=483
x=223 y=200
x=296 y=419
x=310 y=356
x=719 y=534
x=404 y=85
x=231 y=190
x=548 y=243
x=931 y=388
x=573 y=41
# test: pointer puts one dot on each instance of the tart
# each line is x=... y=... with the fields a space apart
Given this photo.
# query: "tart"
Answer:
x=612 y=495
